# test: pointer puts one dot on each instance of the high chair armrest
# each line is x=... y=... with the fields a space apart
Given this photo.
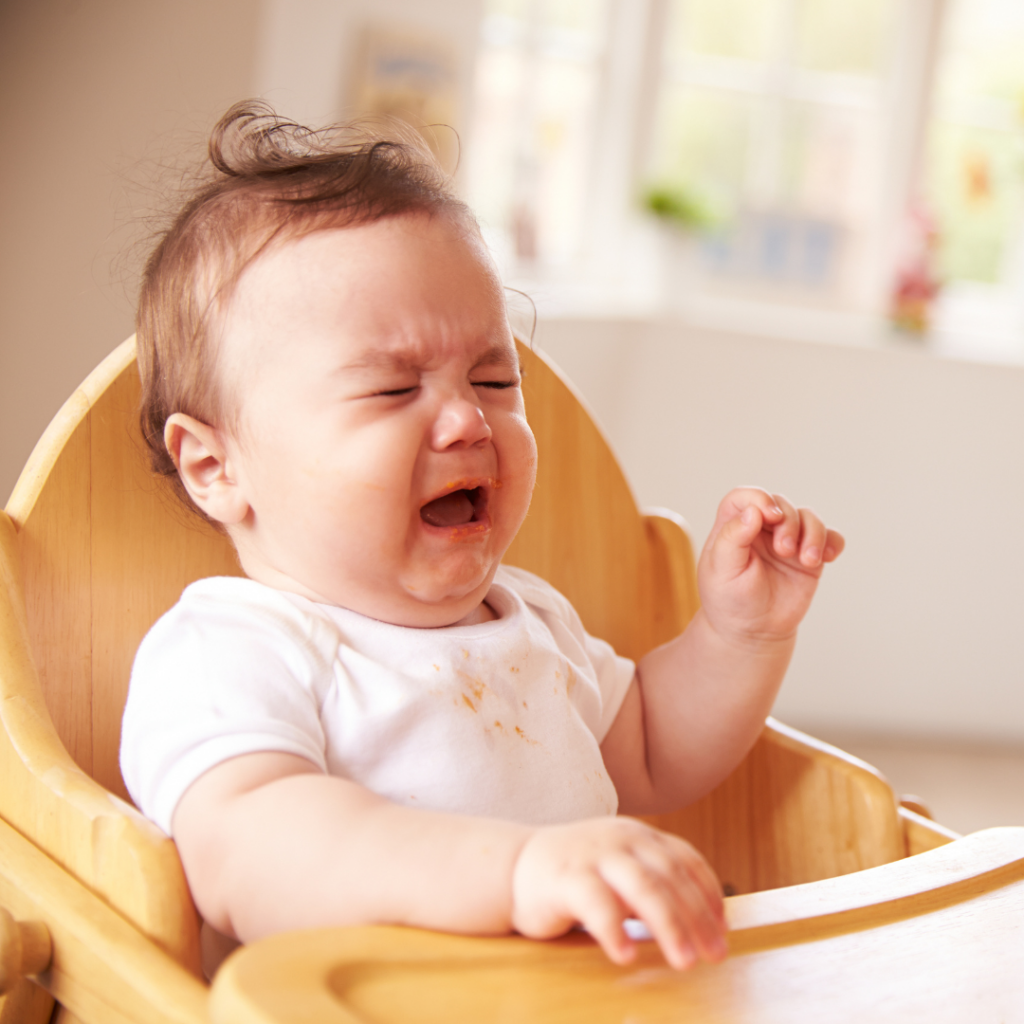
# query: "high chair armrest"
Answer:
x=103 y=969
x=922 y=834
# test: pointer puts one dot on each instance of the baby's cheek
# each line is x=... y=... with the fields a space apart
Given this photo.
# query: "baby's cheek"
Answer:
x=519 y=462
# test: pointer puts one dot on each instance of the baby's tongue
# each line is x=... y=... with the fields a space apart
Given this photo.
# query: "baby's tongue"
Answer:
x=453 y=509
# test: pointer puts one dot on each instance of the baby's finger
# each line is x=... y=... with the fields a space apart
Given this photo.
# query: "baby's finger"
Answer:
x=696 y=890
x=835 y=542
x=704 y=914
x=737 y=500
x=652 y=898
x=600 y=911
x=699 y=869
x=812 y=539
x=729 y=552
x=786 y=533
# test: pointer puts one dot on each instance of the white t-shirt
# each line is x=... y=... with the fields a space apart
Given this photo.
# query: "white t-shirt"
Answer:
x=501 y=719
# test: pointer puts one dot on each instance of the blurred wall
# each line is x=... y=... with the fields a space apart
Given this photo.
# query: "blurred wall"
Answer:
x=309 y=50
x=100 y=100
x=916 y=630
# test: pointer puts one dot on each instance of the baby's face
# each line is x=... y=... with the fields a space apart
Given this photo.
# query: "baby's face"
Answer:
x=382 y=445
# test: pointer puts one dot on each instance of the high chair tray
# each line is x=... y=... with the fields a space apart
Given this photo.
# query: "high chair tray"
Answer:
x=937 y=937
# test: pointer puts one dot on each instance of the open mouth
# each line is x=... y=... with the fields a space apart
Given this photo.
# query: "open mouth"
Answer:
x=460 y=507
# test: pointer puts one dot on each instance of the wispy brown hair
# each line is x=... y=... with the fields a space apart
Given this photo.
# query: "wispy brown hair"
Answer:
x=268 y=181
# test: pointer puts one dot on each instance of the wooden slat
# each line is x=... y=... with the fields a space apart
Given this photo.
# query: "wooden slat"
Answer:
x=55 y=551
x=105 y=551
x=98 y=838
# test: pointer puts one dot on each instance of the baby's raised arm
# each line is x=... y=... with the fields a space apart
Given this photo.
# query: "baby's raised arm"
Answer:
x=699 y=702
x=270 y=843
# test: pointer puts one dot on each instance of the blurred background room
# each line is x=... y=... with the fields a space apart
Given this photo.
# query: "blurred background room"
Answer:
x=771 y=241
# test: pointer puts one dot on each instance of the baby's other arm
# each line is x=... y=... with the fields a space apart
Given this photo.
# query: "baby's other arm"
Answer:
x=699 y=702
x=269 y=843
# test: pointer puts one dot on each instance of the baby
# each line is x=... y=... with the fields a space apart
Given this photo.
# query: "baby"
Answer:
x=329 y=374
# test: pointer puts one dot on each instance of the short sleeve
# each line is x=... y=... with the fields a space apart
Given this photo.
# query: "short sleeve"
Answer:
x=234 y=668
x=613 y=673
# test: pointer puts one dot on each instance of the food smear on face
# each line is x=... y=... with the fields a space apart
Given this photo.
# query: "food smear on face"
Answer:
x=469 y=530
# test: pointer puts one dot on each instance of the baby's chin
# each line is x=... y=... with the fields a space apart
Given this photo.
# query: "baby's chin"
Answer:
x=433 y=593
x=434 y=603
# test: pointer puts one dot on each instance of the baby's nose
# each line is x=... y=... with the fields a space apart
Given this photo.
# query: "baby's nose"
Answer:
x=460 y=424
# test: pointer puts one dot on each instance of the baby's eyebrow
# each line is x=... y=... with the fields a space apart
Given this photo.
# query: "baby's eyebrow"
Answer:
x=381 y=359
x=499 y=355
x=409 y=358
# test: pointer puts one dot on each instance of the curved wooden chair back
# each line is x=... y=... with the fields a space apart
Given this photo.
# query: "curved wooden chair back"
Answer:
x=102 y=550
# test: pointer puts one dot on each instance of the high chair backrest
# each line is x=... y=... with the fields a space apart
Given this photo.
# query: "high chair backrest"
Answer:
x=104 y=550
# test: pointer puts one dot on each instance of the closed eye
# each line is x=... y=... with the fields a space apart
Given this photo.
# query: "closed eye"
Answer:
x=394 y=391
x=498 y=384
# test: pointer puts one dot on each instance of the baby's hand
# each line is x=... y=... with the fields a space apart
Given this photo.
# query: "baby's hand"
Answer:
x=601 y=871
x=760 y=566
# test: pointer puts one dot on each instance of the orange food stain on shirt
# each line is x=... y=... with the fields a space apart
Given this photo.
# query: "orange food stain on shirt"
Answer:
x=476 y=686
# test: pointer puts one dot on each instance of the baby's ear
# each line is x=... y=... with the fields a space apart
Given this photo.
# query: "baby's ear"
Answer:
x=199 y=452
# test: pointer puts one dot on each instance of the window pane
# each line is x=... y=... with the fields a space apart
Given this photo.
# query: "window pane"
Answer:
x=561 y=147
x=492 y=169
x=976 y=146
x=584 y=16
x=842 y=36
x=702 y=141
x=724 y=28
x=831 y=161
x=537 y=78
x=975 y=179
x=515 y=9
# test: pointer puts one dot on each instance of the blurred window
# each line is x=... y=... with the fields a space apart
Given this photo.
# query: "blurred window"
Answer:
x=539 y=72
x=974 y=179
x=976 y=146
x=797 y=150
x=771 y=117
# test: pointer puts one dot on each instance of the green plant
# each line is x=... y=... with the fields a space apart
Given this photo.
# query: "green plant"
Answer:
x=681 y=206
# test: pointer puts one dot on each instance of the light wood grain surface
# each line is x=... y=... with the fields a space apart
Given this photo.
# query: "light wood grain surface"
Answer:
x=103 y=968
x=938 y=938
x=105 y=551
x=92 y=834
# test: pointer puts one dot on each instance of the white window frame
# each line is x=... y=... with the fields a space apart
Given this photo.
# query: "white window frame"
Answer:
x=622 y=263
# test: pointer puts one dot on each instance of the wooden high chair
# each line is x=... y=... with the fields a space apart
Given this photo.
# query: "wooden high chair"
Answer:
x=93 y=550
